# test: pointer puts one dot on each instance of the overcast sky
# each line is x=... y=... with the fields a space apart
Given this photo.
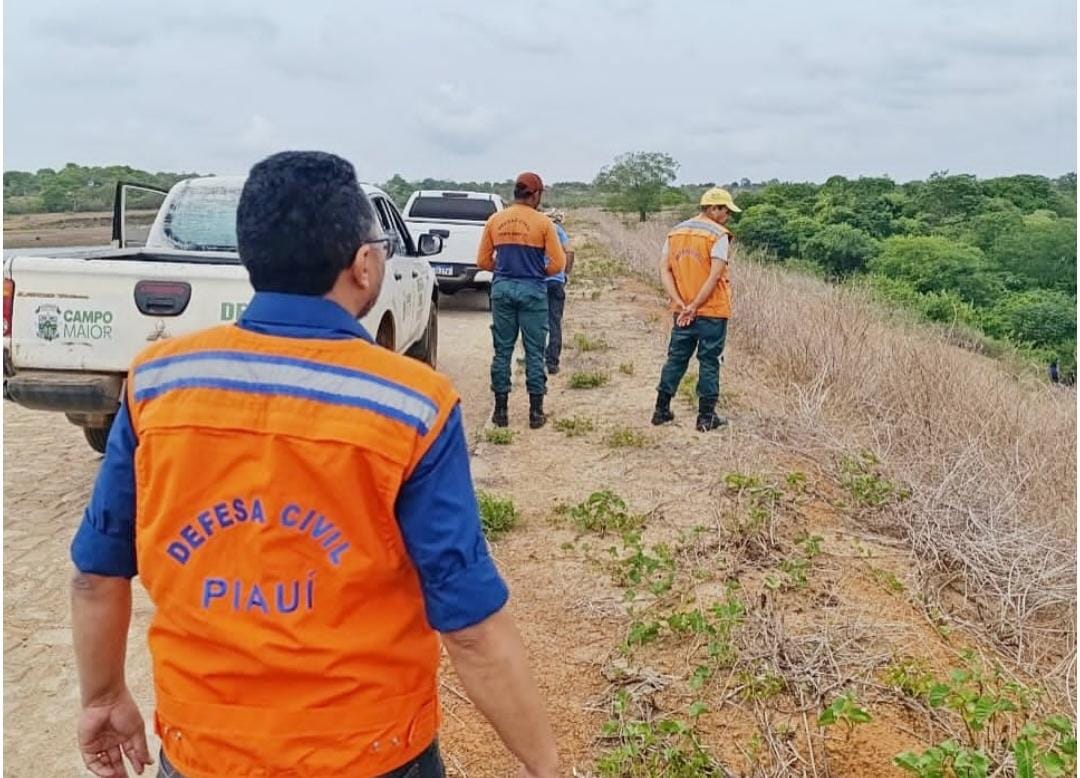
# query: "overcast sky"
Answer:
x=481 y=90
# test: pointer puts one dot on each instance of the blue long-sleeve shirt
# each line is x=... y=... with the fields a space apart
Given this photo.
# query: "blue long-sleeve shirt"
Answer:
x=436 y=507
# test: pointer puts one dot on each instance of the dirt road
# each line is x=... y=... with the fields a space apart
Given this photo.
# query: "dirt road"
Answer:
x=67 y=229
x=573 y=617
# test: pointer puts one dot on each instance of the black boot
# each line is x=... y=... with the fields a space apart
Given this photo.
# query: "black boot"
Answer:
x=707 y=419
x=662 y=414
x=537 y=419
x=501 y=416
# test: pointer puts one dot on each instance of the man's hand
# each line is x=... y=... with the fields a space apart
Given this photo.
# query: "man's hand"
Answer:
x=108 y=731
x=490 y=660
x=686 y=315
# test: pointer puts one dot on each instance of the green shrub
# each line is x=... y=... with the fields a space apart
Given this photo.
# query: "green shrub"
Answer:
x=605 y=512
x=583 y=342
x=498 y=515
x=841 y=249
x=575 y=426
x=499 y=436
x=626 y=437
x=588 y=379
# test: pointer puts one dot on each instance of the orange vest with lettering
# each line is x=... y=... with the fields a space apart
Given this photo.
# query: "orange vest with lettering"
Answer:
x=690 y=247
x=290 y=636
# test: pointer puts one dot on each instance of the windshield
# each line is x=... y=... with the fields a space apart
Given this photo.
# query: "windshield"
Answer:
x=202 y=218
x=452 y=208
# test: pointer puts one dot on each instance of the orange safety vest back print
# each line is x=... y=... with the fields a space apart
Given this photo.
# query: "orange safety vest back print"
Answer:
x=266 y=475
x=690 y=247
x=525 y=242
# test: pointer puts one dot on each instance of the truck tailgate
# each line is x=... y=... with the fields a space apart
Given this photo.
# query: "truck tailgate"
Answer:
x=81 y=314
x=459 y=248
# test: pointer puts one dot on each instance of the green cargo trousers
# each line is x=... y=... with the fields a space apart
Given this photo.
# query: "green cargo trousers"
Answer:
x=519 y=305
x=706 y=336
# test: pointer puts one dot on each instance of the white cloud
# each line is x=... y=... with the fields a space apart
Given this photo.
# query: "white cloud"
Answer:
x=260 y=134
x=785 y=89
x=454 y=121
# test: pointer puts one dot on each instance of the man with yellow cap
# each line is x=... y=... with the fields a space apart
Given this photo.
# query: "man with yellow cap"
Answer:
x=694 y=271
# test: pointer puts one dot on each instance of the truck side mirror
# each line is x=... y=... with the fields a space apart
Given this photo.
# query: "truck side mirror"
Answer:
x=444 y=234
x=431 y=243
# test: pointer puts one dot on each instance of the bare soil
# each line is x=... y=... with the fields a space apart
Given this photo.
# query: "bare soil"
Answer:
x=64 y=229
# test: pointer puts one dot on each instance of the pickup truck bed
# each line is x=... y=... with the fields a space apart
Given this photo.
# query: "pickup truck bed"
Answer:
x=75 y=319
x=458 y=217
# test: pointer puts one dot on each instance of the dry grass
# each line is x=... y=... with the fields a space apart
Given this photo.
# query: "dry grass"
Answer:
x=987 y=451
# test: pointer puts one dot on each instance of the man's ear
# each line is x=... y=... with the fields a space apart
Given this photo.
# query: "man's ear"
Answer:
x=361 y=266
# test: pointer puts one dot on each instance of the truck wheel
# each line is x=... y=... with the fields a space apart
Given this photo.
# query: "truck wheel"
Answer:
x=385 y=335
x=427 y=348
x=97 y=437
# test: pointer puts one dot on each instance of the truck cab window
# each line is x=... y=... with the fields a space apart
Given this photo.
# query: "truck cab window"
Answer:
x=390 y=225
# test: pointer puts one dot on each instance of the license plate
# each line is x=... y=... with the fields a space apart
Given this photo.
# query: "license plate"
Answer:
x=443 y=270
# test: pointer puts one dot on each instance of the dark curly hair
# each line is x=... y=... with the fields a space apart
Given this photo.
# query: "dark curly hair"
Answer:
x=301 y=219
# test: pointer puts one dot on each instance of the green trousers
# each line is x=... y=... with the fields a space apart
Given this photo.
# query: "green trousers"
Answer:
x=706 y=336
x=519 y=306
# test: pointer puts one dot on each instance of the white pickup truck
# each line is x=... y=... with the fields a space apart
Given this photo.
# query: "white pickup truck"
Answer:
x=74 y=320
x=458 y=217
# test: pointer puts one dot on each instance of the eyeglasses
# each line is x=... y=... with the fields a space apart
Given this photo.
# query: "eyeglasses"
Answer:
x=387 y=242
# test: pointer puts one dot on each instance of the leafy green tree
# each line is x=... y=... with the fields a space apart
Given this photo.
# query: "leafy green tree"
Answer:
x=673 y=196
x=766 y=227
x=998 y=217
x=1030 y=193
x=1042 y=251
x=907 y=225
x=637 y=181
x=937 y=264
x=881 y=215
x=800 y=229
x=56 y=199
x=946 y=199
x=75 y=187
x=948 y=307
x=399 y=189
x=841 y=249
x=1038 y=317
x=894 y=290
x=18 y=183
x=838 y=214
x=748 y=198
x=798 y=196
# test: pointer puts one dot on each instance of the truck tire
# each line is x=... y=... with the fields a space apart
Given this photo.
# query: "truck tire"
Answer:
x=384 y=336
x=97 y=437
x=427 y=348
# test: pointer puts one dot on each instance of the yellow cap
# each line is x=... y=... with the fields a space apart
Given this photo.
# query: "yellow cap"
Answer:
x=718 y=196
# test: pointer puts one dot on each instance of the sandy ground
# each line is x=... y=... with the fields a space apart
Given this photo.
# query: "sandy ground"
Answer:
x=570 y=614
x=66 y=229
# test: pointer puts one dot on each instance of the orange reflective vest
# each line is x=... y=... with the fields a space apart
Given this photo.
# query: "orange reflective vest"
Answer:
x=290 y=636
x=690 y=247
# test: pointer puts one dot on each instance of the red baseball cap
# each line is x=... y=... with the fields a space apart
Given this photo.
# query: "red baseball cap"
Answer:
x=530 y=182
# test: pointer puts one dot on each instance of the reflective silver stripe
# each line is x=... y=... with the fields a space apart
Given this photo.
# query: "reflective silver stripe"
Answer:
x=696 y=224
x=355 y=388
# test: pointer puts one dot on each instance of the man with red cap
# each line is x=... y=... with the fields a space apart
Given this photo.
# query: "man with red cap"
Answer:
x=521 y=246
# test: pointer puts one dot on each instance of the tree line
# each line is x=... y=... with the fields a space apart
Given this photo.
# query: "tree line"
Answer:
x=77 y=188
x=997 y=255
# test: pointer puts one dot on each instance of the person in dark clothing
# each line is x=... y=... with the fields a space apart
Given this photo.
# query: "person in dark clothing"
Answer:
x=556 y=288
